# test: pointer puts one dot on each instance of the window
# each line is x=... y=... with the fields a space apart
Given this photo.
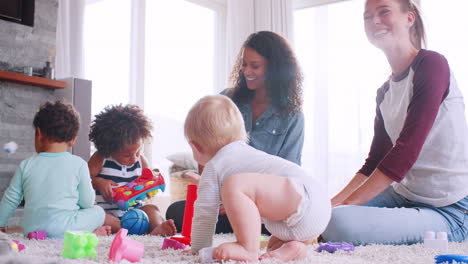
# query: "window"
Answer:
x=161 y=55
x=446 y=34
x=342 y=74
x=107 y=51
x=180 y=67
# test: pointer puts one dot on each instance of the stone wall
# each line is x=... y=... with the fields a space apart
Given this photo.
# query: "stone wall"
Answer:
x=23 y=46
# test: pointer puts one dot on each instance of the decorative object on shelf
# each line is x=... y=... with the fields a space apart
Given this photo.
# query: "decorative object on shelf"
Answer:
x=49 y=72
x=28 y=70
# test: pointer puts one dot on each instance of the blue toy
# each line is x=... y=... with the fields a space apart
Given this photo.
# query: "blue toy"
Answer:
x=331 y=247
x=451 y=258
x=135 y=221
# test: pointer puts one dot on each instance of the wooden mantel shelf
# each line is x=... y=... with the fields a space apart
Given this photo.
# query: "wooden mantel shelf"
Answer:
x=32 y=80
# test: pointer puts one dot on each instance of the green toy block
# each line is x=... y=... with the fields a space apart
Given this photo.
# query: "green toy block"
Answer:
x=79 y=244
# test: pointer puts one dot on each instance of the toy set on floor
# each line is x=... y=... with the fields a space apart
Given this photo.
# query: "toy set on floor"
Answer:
x=82 y=244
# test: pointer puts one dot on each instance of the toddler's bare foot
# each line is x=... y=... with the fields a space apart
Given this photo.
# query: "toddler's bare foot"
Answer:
x=103 y=231
x=166 y=228
x=274 y=243
x=291 y=250
x=233 y=251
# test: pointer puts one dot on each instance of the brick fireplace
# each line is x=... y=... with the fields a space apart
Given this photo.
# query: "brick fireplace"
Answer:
x=22 y=46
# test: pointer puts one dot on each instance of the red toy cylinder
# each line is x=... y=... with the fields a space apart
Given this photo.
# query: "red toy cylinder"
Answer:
x=189 y=209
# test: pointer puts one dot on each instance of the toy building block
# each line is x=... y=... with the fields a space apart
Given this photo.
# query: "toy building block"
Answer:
x=146 y=185
x=436 y=240
x=331 y=247
x=125 y=248
x=451 y=258
x=38 y=235
x=17 y=246
x=186 y=233
x=79 y=244
x=171 y=243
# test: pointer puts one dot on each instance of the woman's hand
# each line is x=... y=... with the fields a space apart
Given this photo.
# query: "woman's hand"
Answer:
x=373 y=186
x=104 y=187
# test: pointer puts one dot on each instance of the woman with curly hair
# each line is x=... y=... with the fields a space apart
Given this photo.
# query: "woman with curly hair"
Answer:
x=267 y=89
x=118 y=133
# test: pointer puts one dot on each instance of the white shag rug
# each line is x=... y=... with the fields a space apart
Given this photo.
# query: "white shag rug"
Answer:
x=50 y=251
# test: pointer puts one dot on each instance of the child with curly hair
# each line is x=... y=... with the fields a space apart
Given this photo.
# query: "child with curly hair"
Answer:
x=118 y=133
x=55 y=184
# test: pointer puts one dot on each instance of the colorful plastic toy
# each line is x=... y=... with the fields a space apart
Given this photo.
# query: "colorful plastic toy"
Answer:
x=437 y=240
x=135 y=221
x=146 y=185
x=451 y=258
x=186 y=233
x=79 y=244
x=38 y=235
x=331 y=247
x=17 y=246
x=125 y=248
x=171 y=243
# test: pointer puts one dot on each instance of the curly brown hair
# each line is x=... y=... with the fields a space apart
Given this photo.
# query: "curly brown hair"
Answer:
x=58 y=121
x=117 y=126
x=283 y=75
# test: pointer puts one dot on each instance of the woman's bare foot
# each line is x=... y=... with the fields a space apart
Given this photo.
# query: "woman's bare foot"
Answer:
x=166 y=228
x=291 y=250
x=103 y=231
x=233 y=251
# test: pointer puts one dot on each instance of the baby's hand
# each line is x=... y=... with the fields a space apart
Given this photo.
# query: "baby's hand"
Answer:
x=222 y=211
x=193 y=176
x=105 y=188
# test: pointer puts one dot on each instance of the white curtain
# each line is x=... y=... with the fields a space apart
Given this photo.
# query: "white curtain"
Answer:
x=69 y=39
x=247 y=16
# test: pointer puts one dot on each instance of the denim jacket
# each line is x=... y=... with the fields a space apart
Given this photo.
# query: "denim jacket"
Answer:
x=278 y=135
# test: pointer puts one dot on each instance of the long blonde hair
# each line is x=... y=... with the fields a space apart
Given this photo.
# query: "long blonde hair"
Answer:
x=417 y=32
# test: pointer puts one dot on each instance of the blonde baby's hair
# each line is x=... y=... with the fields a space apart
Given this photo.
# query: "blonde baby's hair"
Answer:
x=213 y=122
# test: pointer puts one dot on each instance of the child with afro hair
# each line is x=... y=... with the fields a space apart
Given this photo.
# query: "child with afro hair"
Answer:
x=119 y=133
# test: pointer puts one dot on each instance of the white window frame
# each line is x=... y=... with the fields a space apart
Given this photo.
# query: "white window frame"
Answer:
x=220 y=58
x=137 y=50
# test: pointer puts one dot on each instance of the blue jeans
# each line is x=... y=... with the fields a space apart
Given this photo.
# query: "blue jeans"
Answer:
x=390 y=218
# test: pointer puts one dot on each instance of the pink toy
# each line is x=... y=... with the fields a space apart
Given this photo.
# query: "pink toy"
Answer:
x=145 y=185
x=39 y=235
x=188 y=215
x=18 y=246
x=125 y=248
x=171 y=243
